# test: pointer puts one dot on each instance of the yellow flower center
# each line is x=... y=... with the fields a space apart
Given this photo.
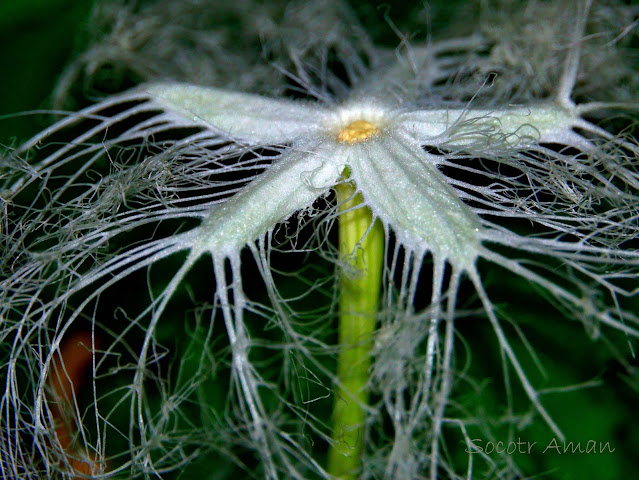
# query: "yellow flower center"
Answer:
x=357 y=131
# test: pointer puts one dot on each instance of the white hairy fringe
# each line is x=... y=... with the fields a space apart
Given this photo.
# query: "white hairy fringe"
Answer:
x=126 y=187
x=165 y=39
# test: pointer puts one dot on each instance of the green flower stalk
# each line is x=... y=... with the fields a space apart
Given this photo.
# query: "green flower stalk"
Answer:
x=461 y=156
x=361 y=245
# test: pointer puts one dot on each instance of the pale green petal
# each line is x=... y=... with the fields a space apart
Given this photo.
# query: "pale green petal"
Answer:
x=406 y=191
x=514 y=126
x=245 y=116
x=292 y=183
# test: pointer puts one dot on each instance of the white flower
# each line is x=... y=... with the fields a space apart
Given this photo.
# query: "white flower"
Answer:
x=385 y=149
x=533 y=188
x=381 y=145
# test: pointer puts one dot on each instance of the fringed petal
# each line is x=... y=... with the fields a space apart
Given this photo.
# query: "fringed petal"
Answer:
x=293 y=183
x=244 y=116
x=406 y=191
x=513 y=126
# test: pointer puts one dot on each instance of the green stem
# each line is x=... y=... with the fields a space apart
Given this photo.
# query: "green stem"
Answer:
x=359 y=299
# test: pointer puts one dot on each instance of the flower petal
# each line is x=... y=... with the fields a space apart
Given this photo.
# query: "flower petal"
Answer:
x=406 y=191
x=292 y=183
x=516 y=126
x=246 y=116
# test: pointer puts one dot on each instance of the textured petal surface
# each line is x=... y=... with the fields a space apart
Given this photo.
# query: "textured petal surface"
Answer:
x=516 y=125
x=245 y=116
x=405 y=190
x=289 y=185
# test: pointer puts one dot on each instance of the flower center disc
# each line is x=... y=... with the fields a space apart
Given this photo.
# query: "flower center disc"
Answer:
x=357 y=131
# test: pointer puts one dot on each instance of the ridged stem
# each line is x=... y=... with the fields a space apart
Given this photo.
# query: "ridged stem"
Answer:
x=359 y=301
